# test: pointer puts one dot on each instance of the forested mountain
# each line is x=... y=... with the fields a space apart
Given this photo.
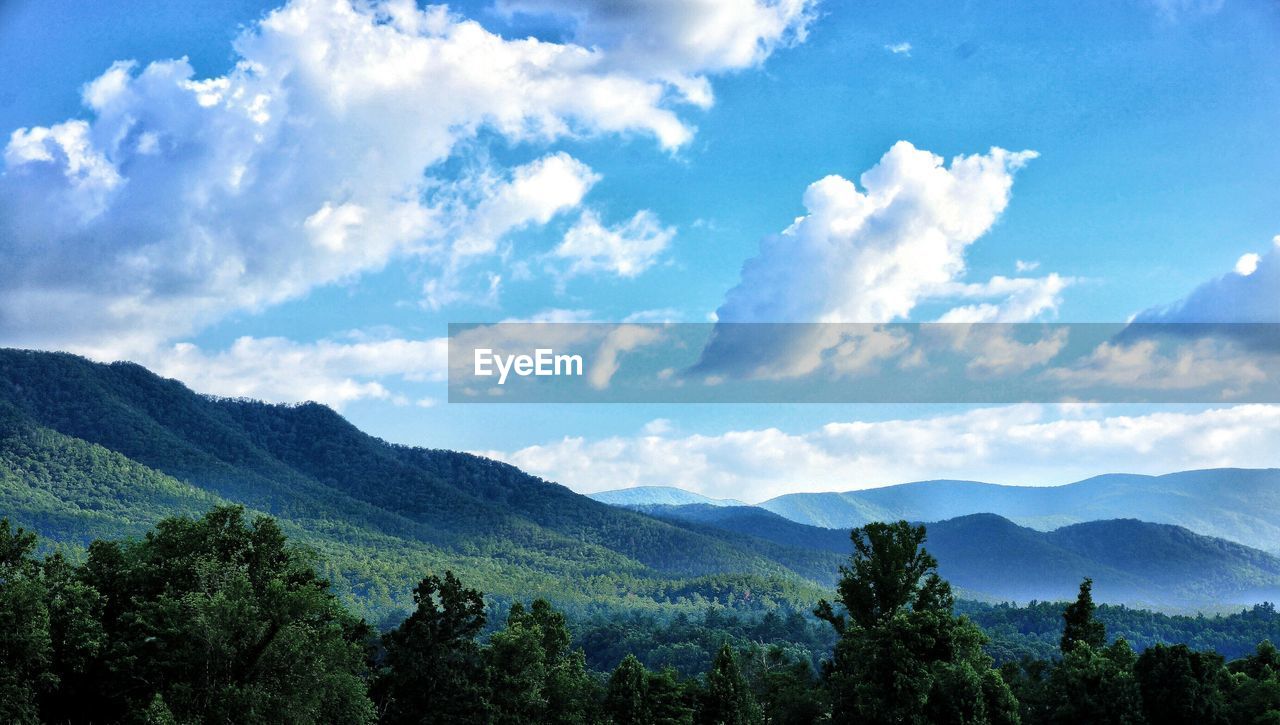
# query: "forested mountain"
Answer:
x=1242 y=505
x=659 y=496
x=989 y=556
x=91 y=450
x=100 y=451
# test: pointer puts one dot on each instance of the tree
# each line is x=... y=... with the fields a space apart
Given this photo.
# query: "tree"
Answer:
x=636 y=696
x=533 y=674
x=726 y=699
x=626 y=700
x=903 y=656
x=1094 y=686
x=433 y=670
x=1079 y=623
x=216 y=618
x=1182 y=686
x=785 y=687
x=25 y=645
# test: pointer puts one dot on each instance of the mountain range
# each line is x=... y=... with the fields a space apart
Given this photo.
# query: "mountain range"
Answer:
x=990 y=557
x=660 y=496
x=1240 y=505
x=90 y=450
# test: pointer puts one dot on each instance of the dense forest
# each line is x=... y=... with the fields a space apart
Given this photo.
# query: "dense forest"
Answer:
x=222 y=619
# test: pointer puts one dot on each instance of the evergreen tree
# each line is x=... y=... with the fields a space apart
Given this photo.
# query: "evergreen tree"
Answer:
x=1182 y=686
x=433 y=670
x=533 y=674
x=1079 y=622
x=726 y=698
x=26 y=648
x=1094 y=686
x=785 y=687
x=903 y=656
x=626 y=701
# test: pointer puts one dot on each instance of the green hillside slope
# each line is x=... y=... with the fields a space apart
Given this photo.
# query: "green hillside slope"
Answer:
x=105 y=450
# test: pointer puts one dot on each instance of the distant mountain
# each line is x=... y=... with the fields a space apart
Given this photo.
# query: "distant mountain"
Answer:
x=90 y=450
x=989 y=556
x=1241 y=505
x=757 y=522
x=659 y=496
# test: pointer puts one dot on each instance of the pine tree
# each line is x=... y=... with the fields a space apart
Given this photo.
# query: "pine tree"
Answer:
x=1079 y=623
x=726 y=699
x=626 y=701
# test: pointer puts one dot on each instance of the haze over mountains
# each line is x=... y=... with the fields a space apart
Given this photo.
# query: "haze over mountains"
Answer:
x=1241 y=505
x=104 y=451
x=659 y=496
x=990 y=557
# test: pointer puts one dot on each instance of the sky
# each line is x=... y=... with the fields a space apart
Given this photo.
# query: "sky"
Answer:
x=291 y=202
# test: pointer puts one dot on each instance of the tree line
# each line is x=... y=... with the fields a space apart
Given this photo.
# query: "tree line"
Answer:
x=221 y=619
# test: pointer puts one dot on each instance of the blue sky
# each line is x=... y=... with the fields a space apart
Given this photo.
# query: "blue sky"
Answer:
x=1157 y=169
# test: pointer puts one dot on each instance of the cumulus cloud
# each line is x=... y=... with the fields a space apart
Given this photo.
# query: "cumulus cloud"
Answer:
x=1016 y=444
x=624 y=250
x=871 y=255
x=679 y=40
x=1249 y=293
x=334 y=372
x=176 y=199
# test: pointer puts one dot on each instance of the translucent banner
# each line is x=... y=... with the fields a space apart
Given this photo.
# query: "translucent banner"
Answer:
x=863 y=363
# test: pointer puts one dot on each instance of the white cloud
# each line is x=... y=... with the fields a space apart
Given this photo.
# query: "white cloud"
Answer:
x=315 y=159
x=278 y=370
x=533 y=194
x=1025 y=266
x=1016 y=444
x=899 y=48
x=1022 y=298
x=487 y=208
x=680 y=40
x=872 y=255
x=1247 y=264
x=1144 y=365
x=625 y=250
x=1249 y=293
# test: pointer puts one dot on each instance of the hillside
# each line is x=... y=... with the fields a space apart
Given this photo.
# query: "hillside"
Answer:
x=101 y=451
x=1240 y=505
x=90 y=450
x=989 y=556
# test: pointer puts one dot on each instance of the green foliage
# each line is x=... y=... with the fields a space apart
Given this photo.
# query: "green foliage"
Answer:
x=99 y=451
x=25 y=645
x=1089 y=685
x=1080 y=625
x=208 y=619
x=726 y=699
x=785 y=687
x=1180 y=686
x=534 y=676
x=1035 y=630
x=903 y=656
x=433 y=670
